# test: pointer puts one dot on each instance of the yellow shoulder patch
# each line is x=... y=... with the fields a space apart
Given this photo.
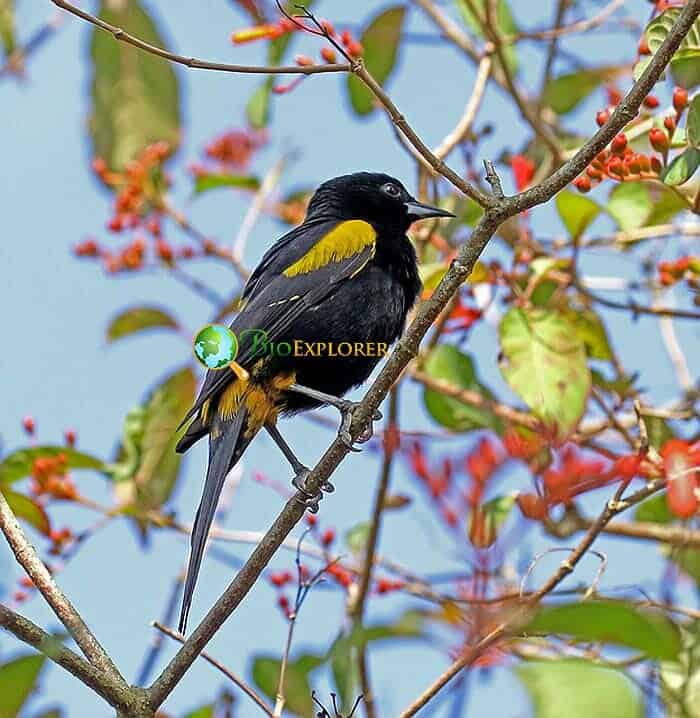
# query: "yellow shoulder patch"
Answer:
x=343 y=241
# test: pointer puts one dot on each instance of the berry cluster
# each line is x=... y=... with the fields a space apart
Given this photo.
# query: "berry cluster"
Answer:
x=687 y=268
x=50 y=478
x=621 y=163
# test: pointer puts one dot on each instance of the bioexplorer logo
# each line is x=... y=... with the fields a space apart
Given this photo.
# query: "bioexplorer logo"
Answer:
x=216 y=347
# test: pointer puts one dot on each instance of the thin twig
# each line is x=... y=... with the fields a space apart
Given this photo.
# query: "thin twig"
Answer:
x=250 y=692
x=193 y=62
x=357 y=607
x=270 y=181
x=463 y=127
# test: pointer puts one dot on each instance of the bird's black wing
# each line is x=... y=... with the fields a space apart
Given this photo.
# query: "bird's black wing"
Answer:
x=274 y=298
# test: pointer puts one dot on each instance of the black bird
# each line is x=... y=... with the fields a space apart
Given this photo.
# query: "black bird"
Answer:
x=347 y=274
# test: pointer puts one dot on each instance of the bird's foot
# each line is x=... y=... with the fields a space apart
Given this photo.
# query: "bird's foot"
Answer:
x=309 y=499
x=347 y=411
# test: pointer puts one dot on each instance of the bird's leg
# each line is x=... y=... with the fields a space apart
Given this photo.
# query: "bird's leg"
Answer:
x=301 y=472
x=346 y=409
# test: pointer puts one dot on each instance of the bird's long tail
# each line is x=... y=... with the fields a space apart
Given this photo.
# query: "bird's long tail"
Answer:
x=225 y=450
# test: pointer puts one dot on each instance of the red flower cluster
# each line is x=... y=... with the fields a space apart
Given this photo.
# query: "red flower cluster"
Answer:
x=50 y=477
x=234 y=149
x=462 y=317
x=683 y=268
x=681 y=465
x=523 y=169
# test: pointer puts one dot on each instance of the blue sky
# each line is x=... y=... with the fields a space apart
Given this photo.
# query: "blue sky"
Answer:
x=57 y=367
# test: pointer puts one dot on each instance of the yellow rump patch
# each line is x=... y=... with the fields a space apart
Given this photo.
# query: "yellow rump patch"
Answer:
x=343 y=241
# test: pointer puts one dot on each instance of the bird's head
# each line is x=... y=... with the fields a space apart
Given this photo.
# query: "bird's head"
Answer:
x=375 y=197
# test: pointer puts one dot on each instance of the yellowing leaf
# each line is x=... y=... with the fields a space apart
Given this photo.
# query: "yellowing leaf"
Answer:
x=138 y=319
x=17 y=682
x=576 y=212
x=544 y=361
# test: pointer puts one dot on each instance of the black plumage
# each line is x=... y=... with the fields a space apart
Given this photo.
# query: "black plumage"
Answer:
x=348 y=273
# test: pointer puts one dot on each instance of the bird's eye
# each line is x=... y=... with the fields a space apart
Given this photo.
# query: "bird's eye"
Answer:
x=391 y=189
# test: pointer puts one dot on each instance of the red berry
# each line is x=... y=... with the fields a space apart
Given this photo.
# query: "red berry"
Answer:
x=643 y=47
x=327 y=537
x=328 y=54
x=70 y=436
x=582 y=184
x=164 y=250
x=616 y=167
x=28 y=425
x=658 y=139
x=656 y=165
x=619 y=144
x=594 y=173
x=651 y=101
x=670 y=124
x=304 y=61
x=311 y=519
x=680 y=99
x=602 y=117
x=532 y=506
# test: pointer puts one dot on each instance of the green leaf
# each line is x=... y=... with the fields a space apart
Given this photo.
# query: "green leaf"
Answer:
x=693 y=122
x=207 y=711
x=28 y=510
x=630 y=204
x=544 y=361
x=147 y=466
x=485 y=521
x=7 y=26
x=138 y=319
x=18 y=464
x=446 y=363
x=616 y=622
x=566 y=92
x=356 y=537
x=654 y=510
x=380 y=40
x=682 y=168
x=576 y=212
x=579 y=689
x=590 y=329
x=258 y=108
x=505 y=25
x=135 y=95
x=680 y=680
x=266 y=671
x=18 y=680
x=658 y=430
x=204 y=183
x=684 y=64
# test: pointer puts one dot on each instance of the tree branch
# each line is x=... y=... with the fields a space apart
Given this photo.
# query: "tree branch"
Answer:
x=113 y=692
x=193 y=62
x=65 y=611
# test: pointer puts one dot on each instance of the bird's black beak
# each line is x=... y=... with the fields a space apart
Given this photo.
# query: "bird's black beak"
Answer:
x=417 y=210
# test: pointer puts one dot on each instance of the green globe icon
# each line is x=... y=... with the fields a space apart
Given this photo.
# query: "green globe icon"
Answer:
x=215 y=346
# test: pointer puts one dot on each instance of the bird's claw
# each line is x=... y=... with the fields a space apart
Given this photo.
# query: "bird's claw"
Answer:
x=347 y=411
x=308 y=499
